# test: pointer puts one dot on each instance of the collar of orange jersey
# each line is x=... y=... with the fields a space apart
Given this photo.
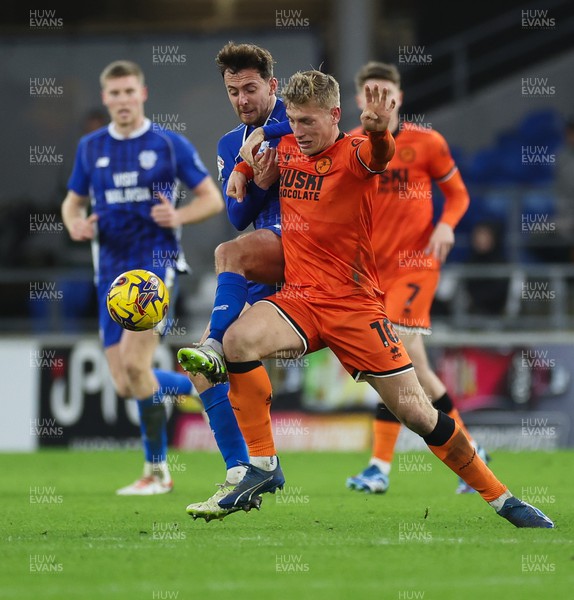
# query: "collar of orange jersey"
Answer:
x=339 y=137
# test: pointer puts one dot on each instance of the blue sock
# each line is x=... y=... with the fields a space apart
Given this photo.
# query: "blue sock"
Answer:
x=153 y=418
x=172 y=383
x=230 y=298
x=224 y=425
x=153 y=427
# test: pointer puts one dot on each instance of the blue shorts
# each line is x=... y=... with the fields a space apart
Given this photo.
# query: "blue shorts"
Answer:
x=110 y=332
x=258 y=291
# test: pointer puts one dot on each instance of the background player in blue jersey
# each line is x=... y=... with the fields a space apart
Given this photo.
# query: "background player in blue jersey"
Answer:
x=129 y=173
x=249 y=267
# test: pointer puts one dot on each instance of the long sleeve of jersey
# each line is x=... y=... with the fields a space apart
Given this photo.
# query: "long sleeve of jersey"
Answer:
x=277 y=130
x=377 y=150
x=255 y=199
x=447 y=176
x=456 y=199
x=241 y=214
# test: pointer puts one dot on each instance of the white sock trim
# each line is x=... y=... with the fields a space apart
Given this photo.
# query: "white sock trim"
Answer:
x=267 y=463
x=215 y=345
x=384 y=466
x=235 y=474
x=499 y=502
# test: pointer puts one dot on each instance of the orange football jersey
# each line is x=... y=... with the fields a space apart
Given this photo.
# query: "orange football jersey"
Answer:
x=326 y=219
x=403 y=210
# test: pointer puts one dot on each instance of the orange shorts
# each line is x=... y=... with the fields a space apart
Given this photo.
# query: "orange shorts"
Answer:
x=408 y=300
x=355 y=328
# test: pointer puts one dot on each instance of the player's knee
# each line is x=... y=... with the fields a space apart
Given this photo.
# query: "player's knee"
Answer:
x=237 y=344
x=231 y=344
x=119 y=379
x=229 y=257
x=134 y=370
x=121 y=385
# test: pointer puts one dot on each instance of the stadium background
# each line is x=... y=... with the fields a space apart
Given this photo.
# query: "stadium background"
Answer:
x=495 y=81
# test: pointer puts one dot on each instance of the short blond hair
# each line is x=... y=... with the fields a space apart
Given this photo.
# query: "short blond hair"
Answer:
x=121 y=68
x=307 y=86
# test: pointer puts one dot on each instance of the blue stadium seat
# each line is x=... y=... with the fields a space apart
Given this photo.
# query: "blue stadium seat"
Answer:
x=541 y=127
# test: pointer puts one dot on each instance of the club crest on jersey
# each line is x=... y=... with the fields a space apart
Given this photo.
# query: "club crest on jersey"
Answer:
x=147 y=159
x=323 y=165
x=407 y=154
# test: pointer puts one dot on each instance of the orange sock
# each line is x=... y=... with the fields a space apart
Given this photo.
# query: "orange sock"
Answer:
x=449 y=443
x=250 y=396
x=454 y=414
x=385 y=435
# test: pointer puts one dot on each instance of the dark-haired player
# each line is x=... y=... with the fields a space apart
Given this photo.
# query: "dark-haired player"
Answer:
x=248 y=267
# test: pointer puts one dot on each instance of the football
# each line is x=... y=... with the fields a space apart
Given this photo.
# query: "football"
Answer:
x=138 y=300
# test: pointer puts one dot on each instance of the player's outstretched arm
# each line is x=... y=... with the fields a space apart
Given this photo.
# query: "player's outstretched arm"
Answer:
x=376 y=152
x=80 y=226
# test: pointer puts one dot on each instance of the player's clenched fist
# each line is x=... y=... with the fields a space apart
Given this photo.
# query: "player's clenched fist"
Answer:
x=377 y=112
x=237 y=186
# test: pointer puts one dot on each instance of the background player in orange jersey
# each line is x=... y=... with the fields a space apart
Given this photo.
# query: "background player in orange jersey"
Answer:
x=331 y=296
x=410 y=250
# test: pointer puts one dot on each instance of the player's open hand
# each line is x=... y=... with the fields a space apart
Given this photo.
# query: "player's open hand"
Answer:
x=441 y=241
x=377 y=112
x=165 y=214
x=84 y=229
x=237 y=186
x=251 y=145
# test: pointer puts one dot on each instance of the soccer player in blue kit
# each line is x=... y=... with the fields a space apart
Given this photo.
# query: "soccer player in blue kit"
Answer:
x=129 y=172
x=249 y=267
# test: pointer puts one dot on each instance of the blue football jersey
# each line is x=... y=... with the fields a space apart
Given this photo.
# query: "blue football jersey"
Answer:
x=260 y=207
x=123 y=177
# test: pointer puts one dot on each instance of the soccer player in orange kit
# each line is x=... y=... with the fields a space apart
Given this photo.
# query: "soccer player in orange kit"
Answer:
x=410 y=250
x=331 y=295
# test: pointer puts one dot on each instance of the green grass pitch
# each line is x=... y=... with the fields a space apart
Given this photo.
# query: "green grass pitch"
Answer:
x=65 y=534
